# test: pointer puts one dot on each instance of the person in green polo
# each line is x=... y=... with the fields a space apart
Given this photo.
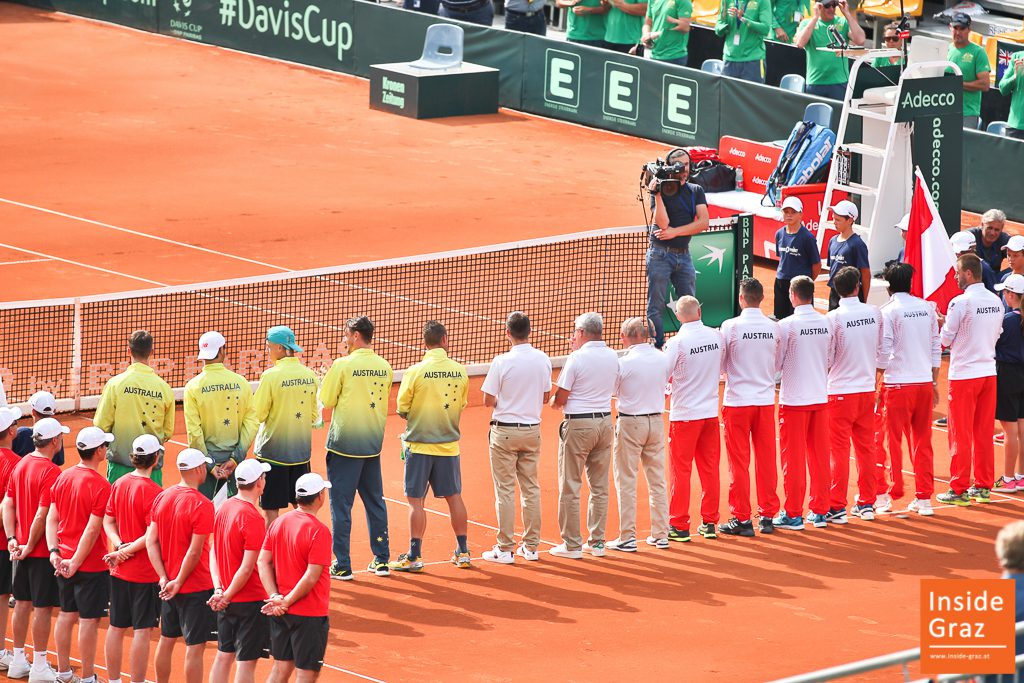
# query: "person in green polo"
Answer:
x=786 y=18
x=827 y=72
x=744 y=24
x=623 y=26
x=891 y=37
x=666 y=30
x=974 y=66
x=586 y=21
x=1012 y=85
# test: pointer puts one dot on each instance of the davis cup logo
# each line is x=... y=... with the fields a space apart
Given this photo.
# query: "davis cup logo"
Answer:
x=183 y=7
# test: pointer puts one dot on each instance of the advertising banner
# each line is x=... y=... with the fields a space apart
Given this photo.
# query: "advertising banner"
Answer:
x=140 y=14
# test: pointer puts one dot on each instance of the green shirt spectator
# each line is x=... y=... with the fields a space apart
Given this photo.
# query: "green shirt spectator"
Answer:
x=624 y=25
x=667 y=30
x=744 y=24
x=827 y=73
x=891 y=41
x=786 y=17
x=974 y=66
x=586 y=21
x=1012 y=85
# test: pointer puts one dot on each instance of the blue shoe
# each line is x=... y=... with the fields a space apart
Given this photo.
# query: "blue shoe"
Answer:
x=784 y=521
x=819 y=521
x=837 y=516
x=865 y=512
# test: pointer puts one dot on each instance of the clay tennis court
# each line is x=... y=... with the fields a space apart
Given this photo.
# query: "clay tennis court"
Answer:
x=132 y=161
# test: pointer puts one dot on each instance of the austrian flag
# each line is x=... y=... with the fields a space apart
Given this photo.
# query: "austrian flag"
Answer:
x=928 y=250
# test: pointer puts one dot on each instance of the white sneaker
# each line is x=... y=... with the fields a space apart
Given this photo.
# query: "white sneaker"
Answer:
x=499 y=556
x=18 y=669
x=561 y=550
x=922 y=506
x=596 y=548
x=6 y=657
x=47 y=675
x=661 y=543
x=883 y=502
x=527 y=554
x=623 y=546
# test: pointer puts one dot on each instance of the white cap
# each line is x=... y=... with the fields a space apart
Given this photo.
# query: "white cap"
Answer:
x=1014 y=283
x=47 y=428
x=146 y=444
x=190 y=458
x=962 y=241
x=43 y=403
x=903 y=223
x=210 y=345
x=846 y=208
x=310 y=484
x=1016 y=243
x=92 y=437
x=8 y=416
x=793 y=203
x=248 y=471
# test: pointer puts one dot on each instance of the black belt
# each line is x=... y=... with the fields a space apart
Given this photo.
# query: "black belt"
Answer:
x=495 y=423
x=465 y=9
x=671 y=250
x=517 y=13
x=640 y=415
x=585 y=416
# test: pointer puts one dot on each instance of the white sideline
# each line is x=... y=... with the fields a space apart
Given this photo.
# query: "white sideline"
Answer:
x=51 y=257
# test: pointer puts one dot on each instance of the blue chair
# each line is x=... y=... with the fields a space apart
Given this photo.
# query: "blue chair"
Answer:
x=713 y=66
x=792 y=83
x=996 y=128
x=820 y=113
x=442 y=47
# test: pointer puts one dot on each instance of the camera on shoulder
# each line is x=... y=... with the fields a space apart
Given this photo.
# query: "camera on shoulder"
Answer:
x=665 y=174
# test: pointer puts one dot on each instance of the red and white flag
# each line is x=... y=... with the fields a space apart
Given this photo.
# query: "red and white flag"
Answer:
x=929 y=251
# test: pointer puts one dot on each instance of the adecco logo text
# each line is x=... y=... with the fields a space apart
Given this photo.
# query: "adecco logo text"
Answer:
x=621 y=91
x=679 y=104
x=561 y=78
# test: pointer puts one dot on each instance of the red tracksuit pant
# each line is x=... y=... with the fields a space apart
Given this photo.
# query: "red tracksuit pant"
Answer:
x=803 y=437
x=882 y=483
x=852 y=417
x=908 y=410
x=743 y=425
x=689 y=441
x=972 y=405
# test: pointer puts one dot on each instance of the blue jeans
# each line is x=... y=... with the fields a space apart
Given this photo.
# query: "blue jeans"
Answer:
x=425 y=6
x=664 y=267
x=518 y=21
x=349 y=476
x=483 y=16
x=834 y=92
x=747 y=71
x=679 y=61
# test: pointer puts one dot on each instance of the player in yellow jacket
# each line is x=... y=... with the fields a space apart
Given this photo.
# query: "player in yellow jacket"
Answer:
x=134 y=403
x=431 y=398
x=219 y=416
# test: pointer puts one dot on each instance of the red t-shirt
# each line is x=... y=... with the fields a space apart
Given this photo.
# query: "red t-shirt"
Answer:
x=297 y=539
x=179 y=512
x=130 y=504
x=29 y=488
x=8 y=461
x=79 y=493
x=239 y=527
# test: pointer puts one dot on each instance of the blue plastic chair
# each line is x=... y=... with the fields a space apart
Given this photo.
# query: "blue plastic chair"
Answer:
x=820 y=113
x=713 y=66
x=442 y=47
x=996 y=128
x=792 y=83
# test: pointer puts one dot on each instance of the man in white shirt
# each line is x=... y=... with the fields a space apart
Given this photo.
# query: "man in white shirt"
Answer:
x=908 y=363
x=804 y=341
x=585 y=388
x=748 y=411
x=856 y=335
x=696 y=354
x=973 y=324
x=517 y=386
x=640 y=434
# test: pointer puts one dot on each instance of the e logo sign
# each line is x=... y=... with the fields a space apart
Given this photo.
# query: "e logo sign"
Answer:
x=621 y=91
x=561 y=78
x=679 y=104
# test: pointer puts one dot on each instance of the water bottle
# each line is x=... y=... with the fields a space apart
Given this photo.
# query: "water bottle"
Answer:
x=739 y=178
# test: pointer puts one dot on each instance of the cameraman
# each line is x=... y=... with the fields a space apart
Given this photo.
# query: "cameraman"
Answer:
x=677 y=216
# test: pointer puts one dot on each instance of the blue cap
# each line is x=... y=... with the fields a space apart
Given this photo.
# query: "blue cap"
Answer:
x=283 y=335
x=961 y=19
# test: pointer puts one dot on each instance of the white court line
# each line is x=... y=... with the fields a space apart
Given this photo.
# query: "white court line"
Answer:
x=28 y=260
x=142 y=234
x=28 y=646
x=82 y=265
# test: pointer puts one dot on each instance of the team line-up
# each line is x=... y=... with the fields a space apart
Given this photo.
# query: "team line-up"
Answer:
x=90 y=545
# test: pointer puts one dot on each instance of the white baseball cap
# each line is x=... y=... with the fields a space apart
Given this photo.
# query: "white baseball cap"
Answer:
x=1014 y=283
x=248 y=471
x=8 y=416
x=48 y=428
x=92 y=437
x=962 y=241
x=210 y=345
x=43 y=403
x=793 y=203
x=146 y=444
x=1016 y=243
x=903 y=223
x=846 y=208
x=310 y=483
x=190 y=457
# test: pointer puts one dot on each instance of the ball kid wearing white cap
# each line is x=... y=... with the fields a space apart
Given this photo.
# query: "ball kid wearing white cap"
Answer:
x=798 y=254
x=847 y=249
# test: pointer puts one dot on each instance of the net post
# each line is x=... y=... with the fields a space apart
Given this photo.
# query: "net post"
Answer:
x=76 y=357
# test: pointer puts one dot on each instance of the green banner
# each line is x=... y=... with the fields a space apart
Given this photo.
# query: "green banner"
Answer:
x=140 y=14
x=770 y=112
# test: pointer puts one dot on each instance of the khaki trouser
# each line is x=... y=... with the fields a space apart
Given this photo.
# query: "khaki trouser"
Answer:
x=584 y=446
x=638 y=440
x=515 y=454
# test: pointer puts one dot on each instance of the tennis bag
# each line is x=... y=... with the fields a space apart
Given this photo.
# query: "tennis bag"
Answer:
x=713 y=176
x=807 y=154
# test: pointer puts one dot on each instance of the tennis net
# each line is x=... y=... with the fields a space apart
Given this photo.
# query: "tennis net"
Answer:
x=71 y=347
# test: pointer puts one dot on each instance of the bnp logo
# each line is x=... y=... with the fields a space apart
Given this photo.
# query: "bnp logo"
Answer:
x=561 y=78
x=621 y=91
x=679 y=104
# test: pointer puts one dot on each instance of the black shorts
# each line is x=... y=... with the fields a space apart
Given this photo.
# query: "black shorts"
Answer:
x=6 y=572
x=244 y=630
x=134 y=605
x=441 y=472
x=302 y=640
x=1009 y=391
x=34 y=582
x=280 y=488
x=87 y=593
x=188 y=615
